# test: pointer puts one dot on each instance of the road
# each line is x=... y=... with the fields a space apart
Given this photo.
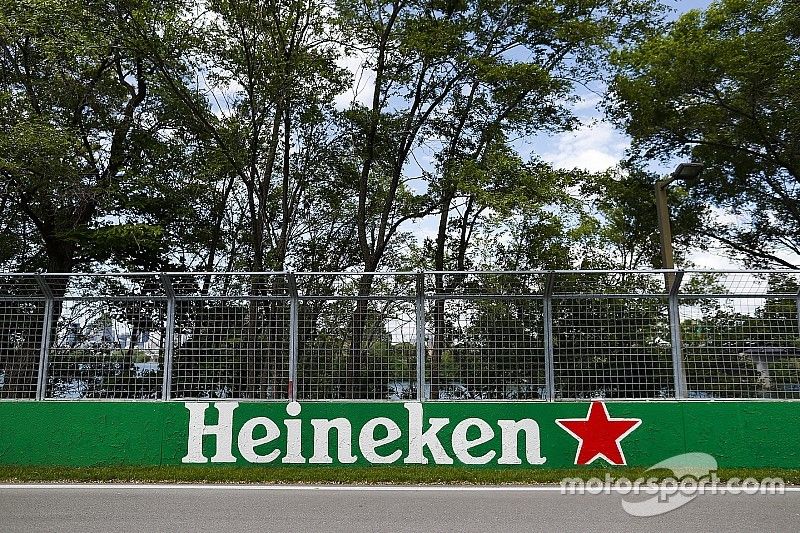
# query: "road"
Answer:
x=355 y=509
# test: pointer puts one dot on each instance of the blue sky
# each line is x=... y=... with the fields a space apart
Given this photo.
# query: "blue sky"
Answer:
x=596 y=145
x=683 y=6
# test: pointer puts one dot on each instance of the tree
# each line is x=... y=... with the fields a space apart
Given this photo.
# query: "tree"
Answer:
x=518 y=66
x=463 y=76
x=82 y=143
x=76 y=113
x=522 y=62
x=619 y=228
x=255 y=86
x=723 y=86
x=732 y=347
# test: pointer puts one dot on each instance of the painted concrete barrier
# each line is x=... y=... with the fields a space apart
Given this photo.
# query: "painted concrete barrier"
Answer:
x=507 y=435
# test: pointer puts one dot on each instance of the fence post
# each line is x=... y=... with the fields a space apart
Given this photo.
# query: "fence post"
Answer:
x=44 y=348
x=675 y=337
x=547 y=317
x=169 y=338
x=294 y=302
x=797 y=298
x=420 y=327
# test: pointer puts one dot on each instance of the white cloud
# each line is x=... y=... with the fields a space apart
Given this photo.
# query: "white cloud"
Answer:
x=427 y=227
x=712 y=259
x=363 y=81
x=587 y=104
x=594 y=147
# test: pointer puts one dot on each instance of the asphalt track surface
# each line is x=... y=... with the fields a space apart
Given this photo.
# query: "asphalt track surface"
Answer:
x=355 y=509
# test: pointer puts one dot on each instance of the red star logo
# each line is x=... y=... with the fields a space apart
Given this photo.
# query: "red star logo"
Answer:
x=599 y=435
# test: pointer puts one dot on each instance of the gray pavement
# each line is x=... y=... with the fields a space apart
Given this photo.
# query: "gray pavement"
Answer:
x=211 y=508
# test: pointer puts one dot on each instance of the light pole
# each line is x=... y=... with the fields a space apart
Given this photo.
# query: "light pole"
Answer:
x=686 y=172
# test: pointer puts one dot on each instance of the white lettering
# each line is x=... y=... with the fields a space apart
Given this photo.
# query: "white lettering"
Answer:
x=368 y=443
x=294 y=452
x=253 y=440
x=510 y=435
x=417 y=439
x=344 y=433
x=462 y=445
x=247 y=443
x=198 y=429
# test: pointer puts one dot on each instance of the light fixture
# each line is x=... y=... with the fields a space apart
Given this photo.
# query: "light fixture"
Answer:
x=688 y=171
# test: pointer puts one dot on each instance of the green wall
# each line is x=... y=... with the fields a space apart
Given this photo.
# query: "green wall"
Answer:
x=737 y=434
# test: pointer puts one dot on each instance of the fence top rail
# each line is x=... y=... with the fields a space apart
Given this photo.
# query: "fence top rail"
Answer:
x=740 y=271
x=153 y=273
x=408 y=272
x=696 y=283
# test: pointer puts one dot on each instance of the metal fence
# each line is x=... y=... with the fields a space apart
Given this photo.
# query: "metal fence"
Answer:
x=546 y=335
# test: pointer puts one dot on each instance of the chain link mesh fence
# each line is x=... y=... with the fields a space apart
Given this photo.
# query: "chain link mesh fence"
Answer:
x=22 y=311
x=356 y=337
x=107 y=337
x=740 y=335
x=611 y=336
x=562 y=335
x=231 y=336
x=486 y=336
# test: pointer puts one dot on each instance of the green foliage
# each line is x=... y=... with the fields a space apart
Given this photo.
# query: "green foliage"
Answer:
x=78 y=121
x=722 y=85
x=620 y=228
x=163 y=135
x=168 y=136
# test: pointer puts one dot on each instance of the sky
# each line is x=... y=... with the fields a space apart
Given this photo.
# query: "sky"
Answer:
x=597 y=145
x=594 y=146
